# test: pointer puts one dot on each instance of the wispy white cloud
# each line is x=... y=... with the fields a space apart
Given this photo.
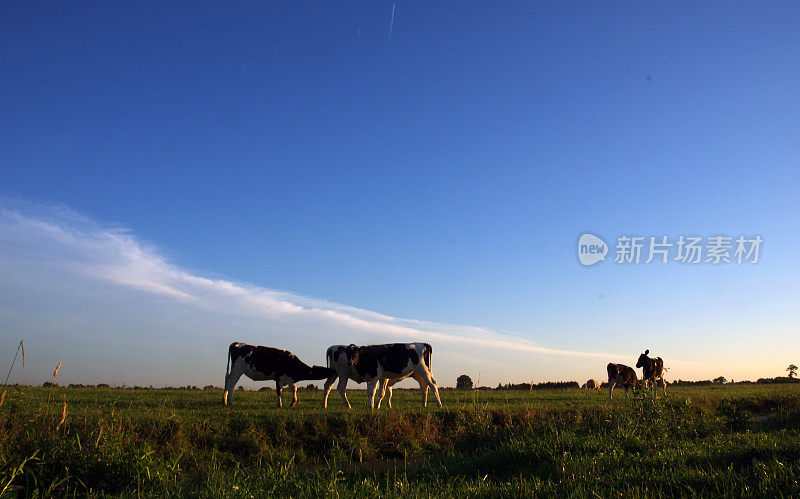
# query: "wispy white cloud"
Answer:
x=53 y=237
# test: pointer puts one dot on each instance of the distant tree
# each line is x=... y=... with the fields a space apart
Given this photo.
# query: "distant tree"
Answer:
x=792 y=370
x=720 y=381
x=464 y=382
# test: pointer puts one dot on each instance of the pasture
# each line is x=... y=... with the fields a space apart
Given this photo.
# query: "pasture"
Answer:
x=731 y=440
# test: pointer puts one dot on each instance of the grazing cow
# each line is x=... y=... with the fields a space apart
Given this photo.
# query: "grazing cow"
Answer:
x=620 y=374
x=653 y=371
x=265 y=363
x=380 y=366
x=592 y=384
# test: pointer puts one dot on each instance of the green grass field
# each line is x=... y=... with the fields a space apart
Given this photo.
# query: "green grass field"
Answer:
x=727 y=440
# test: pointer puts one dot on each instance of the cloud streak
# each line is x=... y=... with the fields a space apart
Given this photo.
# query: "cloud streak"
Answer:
x=53 y=237
x=115 y=256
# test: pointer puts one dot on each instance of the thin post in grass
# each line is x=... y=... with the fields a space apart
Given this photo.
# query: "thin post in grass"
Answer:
x=20 y=346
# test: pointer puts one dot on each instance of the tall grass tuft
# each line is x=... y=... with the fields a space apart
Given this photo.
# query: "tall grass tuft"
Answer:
x=21 y=346
x=63 y=411
x=55 y=373
x=475 y=391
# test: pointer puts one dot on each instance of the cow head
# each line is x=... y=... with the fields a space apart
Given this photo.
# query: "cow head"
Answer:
x=352 y=355
x=643 y=359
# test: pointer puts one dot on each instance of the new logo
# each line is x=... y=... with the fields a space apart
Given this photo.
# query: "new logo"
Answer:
x=591 y=249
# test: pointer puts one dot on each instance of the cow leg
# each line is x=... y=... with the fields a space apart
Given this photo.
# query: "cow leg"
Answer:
x=382 y=386
x=611 y=384
x=432 y=384
x=372 y=387
x=388 y=390
x=278 y=390
x=230 y=383
x=342 y=389
x=327 y=390
x=663 y=383
x=226 y=398
x=423 y=386
x=294 y=395
x=427 y=378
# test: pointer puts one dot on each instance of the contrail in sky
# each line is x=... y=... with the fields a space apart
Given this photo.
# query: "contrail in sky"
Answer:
x=391 y=23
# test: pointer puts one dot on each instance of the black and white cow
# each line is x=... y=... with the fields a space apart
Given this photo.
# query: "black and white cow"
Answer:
x=380 y=366
x=620 y=374
x=653 y=371
x=265 y=363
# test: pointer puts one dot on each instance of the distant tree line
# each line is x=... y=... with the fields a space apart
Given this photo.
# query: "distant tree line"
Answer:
x=721 y=380
x=136 y=387
x=464 y=382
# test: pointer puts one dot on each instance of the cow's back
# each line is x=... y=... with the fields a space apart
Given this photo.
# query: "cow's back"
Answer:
x=264 y=362
x=373 y=358
x=393 y=358
x=622 y=374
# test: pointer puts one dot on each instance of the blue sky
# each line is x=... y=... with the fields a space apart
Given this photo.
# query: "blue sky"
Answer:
x=439 y=177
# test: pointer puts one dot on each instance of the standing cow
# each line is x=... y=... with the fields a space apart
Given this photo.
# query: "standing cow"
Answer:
x=265 y=363
x=653 y=371
x=380 y=366
x=620 y=374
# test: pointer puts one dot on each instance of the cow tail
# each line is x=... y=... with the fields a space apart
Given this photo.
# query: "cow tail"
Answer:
x=228 y=366
x=428 y=354
x=328 y=359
